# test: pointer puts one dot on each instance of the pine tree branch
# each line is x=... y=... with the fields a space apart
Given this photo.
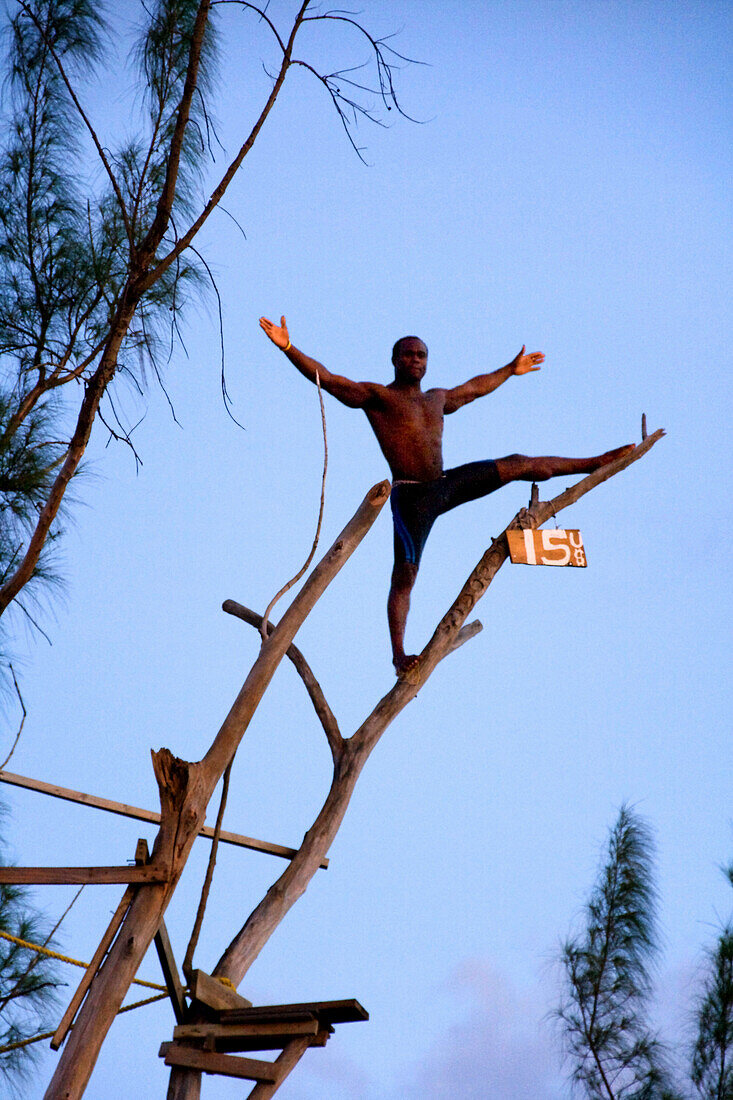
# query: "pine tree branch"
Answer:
x=165 y=202
x=218 y=193
x=85 y=119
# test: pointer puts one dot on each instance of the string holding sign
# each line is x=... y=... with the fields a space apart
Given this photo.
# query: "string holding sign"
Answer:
x=556 y=547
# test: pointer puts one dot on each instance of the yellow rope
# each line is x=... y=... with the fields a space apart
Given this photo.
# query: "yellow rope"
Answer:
x=26 y=1042
x=50 y=1034
x=227 y=981
x=147 y=1001
x=67 y=959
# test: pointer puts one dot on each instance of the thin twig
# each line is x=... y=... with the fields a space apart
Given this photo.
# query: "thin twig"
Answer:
x=301 y=571
x=22 y=721
x=224 y=391
x=27 y=613
x=193 y=942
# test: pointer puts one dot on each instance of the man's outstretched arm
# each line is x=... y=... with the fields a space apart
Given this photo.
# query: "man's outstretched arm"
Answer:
x=487 y=383
x=353 y=394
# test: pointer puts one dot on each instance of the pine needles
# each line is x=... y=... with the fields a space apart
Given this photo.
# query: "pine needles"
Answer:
x=608 y=968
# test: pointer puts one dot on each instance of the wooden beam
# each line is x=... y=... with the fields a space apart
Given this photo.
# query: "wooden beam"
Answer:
x=226 y=1065
x=284 y=1064
x=236 y=1038
x=214 y=993
x=170 y=972
x=331 y=1012
x=142 y=815
x=88 y=977
x=242 y=1031
x=79 y=876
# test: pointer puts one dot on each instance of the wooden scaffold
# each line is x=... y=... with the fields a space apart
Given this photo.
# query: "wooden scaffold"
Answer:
x=213 y=1022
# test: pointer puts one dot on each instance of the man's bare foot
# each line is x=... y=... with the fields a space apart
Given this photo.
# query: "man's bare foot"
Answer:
x=611 y=456
x=405 y=665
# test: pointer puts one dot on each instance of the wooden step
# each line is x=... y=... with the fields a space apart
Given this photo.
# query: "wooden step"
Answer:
x=248 y=1069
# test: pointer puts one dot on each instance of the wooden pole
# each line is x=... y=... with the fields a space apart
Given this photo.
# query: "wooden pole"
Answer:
x=88 y=977
x=139 y=814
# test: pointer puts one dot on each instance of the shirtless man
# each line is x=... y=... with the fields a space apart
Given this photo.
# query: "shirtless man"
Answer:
x=408 y=424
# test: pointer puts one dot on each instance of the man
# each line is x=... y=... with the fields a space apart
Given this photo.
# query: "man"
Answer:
x=408 y=424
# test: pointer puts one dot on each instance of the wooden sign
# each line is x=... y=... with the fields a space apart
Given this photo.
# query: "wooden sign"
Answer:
x=551 y=547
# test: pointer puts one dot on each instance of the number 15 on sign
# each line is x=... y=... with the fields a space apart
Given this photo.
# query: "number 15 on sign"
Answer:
x=551 y=547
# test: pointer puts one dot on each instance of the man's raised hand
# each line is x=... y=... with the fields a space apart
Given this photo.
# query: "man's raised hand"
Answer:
x=278 y=334
x=523 y=364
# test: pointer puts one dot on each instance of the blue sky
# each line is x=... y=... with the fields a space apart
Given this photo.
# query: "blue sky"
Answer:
x=566 y=190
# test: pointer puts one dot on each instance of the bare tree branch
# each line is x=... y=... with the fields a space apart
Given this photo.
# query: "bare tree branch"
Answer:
x=154 y=274
x=185 y=789
x=315 y=692
x=449 y=634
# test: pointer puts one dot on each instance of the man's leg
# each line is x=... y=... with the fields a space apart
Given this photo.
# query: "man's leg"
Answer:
x=398 y=605
x=524 y=468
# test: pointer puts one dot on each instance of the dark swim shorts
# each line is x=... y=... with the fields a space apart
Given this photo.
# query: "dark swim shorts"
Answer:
x=417 y=504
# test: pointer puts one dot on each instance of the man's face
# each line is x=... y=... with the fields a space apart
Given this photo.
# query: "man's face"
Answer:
x=410 y=360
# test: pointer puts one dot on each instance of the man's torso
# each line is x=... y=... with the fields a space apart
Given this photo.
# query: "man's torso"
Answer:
x=408 y=425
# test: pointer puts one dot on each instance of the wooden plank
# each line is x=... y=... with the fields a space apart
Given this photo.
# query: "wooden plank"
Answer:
x=546 y=547
x=170 y=972
x=236 y=1038
x=79 y=876
x=214 y=993
x=243 y=1031
x=322 y=1037
x=284 y=1065
x=139 y=814
x=331 y=1012
x=265 y=1015
x=226 y=1065
x=89 y=974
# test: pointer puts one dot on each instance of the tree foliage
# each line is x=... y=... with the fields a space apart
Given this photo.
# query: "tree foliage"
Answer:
x=28 y=986
x=97 y=255
x=607 y=968
x=615 y=1055
x=712 y=1059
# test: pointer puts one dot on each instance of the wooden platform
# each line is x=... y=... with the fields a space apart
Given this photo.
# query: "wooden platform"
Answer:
x=211 y=1046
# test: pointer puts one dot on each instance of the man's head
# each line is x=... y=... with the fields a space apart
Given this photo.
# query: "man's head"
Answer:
x=410 y=359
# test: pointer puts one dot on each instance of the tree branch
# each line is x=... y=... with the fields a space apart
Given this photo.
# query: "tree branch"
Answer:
x=218 y=193
x=167 y=195
x=273 y=650
x=193 y=941
x=449 y=635
x=322 y=709
x=20 y=727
